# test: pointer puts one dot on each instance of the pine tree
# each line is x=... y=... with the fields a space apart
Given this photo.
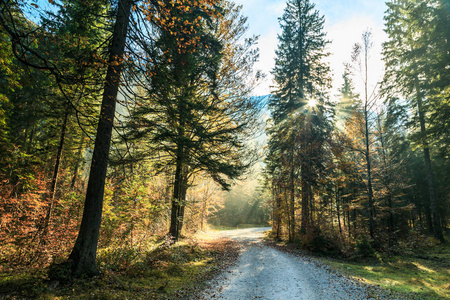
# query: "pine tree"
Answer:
x=195 y=111
x=416 y=57
x=84 y=252
x=301 y=77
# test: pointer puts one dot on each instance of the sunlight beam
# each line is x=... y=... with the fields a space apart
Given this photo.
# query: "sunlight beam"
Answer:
x=312 y=102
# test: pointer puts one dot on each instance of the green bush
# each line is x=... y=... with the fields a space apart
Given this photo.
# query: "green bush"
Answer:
x=364 y=247
x=118 y=258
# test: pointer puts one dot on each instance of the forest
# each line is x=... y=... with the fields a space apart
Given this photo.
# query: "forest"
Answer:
x=123 y=122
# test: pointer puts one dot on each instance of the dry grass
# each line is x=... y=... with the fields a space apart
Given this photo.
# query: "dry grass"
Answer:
x=178 y=271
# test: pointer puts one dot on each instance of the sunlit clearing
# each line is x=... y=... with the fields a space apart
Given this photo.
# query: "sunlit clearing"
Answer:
x=312 y=102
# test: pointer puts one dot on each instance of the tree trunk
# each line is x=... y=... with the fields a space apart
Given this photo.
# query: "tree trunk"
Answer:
x=369 y=177
x=367 y=144
x=305 y=201
x=83 y=255
x=274 y=210
x=173 y=230
x=292 y=203
x=178 y=199
x=338 y=211
x=277 y=211
x=51 y=195
x=387 y=182
x=437 y=230
x=288 y=212
x=79 y=159
x=202 y=213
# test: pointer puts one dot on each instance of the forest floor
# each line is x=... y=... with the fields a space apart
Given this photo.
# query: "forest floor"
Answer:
x=177 y=272
x=419 y=274
x=239 y=264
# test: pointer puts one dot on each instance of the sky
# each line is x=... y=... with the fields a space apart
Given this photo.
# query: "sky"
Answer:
x=345 y=21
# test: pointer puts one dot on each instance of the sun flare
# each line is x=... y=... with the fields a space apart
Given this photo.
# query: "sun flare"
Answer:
x=312 y=102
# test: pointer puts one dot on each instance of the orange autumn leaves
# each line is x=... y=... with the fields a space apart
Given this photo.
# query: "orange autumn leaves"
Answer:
x=181 y=19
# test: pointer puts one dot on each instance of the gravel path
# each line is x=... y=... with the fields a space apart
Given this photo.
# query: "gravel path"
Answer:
x=263 y=272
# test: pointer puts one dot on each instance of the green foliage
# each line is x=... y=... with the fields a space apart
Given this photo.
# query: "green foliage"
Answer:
x=364 y=247
x=300 y=131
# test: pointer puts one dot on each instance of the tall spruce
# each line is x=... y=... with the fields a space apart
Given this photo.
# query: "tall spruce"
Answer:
x=417 y=60
x=302 y=78
x=83 y=255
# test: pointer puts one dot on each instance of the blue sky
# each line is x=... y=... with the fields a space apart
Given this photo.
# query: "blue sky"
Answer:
x=345 y=21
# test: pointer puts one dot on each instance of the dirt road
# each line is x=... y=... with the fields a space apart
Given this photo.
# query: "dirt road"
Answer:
x=263 y=272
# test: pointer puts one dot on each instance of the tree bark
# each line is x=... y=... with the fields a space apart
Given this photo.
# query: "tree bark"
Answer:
x=369 y=182
x=83 y=255
x=367 y=135
x=277 y=210
x=338 y=210
x=292 y=201
x=288 y=212
x=179 y=195
x=305 y=201
x=51 y=196
x=173 y=230
x=437 y=230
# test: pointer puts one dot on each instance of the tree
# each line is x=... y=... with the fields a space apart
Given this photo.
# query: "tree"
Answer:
x=84 y=251
x=393 y=151
x=369 y=102
x=416 y=57
x=196 y=109
x=82 y=72
x=302 y=78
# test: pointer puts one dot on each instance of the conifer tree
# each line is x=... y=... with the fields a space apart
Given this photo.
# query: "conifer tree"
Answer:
x=84 y=252
x=302 y=78
x=417 y=60
x=196 y=109
x=360 y=57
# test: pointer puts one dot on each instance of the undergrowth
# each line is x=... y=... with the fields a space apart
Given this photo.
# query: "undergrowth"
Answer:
x=157 y=271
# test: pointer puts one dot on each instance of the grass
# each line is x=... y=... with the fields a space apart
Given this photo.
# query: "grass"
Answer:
x=421 y=271
x=423 y=275
x=160 y=273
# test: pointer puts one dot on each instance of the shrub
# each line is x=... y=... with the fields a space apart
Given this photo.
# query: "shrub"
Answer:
x=321 y=242
x=363 y=247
